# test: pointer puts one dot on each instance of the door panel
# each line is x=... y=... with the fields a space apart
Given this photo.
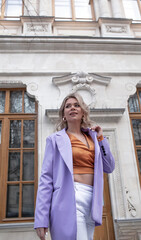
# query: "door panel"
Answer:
x=0 y=137
x=106 y=230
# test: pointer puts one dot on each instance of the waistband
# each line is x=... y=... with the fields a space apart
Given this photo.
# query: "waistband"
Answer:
x=83 y=187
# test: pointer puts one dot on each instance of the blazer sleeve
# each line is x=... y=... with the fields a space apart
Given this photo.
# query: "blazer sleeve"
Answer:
x=107 y=157
x=45 y=188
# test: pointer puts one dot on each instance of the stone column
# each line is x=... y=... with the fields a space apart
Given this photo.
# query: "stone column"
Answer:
x=96 y=9
x=104 y=8
x=117 y=8
x=45 y=7
x=31 y=8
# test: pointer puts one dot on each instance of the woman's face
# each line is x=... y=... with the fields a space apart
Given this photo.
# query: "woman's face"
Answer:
x=72 y=111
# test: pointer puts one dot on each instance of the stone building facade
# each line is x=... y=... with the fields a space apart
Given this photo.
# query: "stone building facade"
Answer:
x=48 y=49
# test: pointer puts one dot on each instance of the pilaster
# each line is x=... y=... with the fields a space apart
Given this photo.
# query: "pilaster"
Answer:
x=104 y=8
x=45 y=8
x=117 y=8
x=31 y=8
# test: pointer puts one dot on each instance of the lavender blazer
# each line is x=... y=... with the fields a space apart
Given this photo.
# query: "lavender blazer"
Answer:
x=55 y=204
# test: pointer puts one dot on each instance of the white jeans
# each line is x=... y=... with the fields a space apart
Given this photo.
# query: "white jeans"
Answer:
x=85 y=224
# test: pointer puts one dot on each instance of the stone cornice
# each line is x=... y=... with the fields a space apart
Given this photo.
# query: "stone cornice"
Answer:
x=57 y=44
x=110 y=115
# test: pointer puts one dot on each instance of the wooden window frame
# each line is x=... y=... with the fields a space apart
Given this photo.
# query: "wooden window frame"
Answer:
x=136 y=115
x=6 y=117
x=3 y=5
x=73 y=18
x=139 y=5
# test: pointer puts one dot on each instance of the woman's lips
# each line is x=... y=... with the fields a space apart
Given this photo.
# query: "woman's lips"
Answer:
x=73 y=113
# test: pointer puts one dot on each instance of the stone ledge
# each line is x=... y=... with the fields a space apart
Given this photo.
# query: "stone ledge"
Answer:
x=108 y=114
x=128 y=229
x=67 y=44
x=16 y=226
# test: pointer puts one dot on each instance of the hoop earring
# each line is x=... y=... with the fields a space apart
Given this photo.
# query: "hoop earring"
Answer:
x=64 y=119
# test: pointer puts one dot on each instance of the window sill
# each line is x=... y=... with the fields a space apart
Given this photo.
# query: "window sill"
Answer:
x=8 y=227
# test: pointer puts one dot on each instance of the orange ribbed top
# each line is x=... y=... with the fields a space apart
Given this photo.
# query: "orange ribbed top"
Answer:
x=83 y=156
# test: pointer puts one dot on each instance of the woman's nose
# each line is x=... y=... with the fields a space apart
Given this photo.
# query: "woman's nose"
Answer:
x=72 y=107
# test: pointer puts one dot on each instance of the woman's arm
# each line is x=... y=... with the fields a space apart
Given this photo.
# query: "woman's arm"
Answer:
x=45 y=188
x=107 y=157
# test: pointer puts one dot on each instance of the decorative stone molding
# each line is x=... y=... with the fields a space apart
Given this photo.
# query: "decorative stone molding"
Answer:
x=81 y=81
x=37 y=25
x=116 y=27
x=82 y=77
x=130 y=204
x=128 y=229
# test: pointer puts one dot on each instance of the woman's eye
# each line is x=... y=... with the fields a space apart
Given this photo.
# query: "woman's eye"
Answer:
x=77 y=105
x=67 y=106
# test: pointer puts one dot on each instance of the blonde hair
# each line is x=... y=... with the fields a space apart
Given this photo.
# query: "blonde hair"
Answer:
x=85 y=122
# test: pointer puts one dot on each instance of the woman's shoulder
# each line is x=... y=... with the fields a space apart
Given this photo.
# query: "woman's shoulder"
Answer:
x=53 y=135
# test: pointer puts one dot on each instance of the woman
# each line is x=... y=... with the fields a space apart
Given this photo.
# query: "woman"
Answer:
x=70 y=192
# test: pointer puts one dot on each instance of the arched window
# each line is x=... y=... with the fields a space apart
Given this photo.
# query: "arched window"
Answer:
x=74 y=10
x=18 y=155
x=132 y=9
x=11 y=8
x=134 y=104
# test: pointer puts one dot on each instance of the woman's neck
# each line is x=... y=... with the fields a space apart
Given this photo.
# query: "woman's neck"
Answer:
x=74 y=129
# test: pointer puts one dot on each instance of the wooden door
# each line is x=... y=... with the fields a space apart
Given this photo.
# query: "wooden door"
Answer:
x=106 y=230
x=0 y=137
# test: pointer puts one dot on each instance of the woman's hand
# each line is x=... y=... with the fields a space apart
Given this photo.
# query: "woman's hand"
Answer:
x=98 y=129
x=41 y=232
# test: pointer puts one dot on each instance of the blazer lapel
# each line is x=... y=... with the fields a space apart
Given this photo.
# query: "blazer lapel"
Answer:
x=65 y=149
x=93 y=135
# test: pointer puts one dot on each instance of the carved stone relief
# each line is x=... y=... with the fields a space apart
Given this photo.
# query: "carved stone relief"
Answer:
x=81 y=81
x=116 y=29
x=130 y=203
x=38 y=27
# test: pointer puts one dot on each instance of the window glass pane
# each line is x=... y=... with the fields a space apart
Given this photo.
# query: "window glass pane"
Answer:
x=2 y=101
x=0 y=130
x=13 y=7
x=131 y=9
x=12 y=201
x=14 y=166
x=28 y=200
x=133 y=103
x=29 y=104
x=28 y=134
x=16 y=102
x=63 y=8
x=15 y=134
x=139 y=158
x=137 y=130
x=28 y=166
x=82 y=9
